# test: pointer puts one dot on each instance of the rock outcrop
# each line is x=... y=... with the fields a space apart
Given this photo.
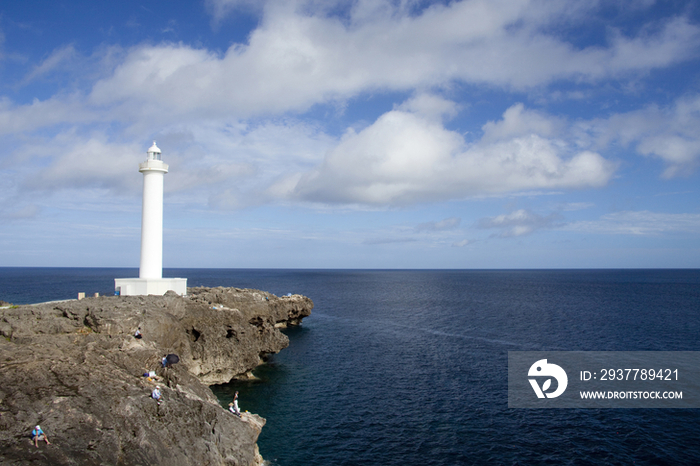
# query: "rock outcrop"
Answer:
x=75 y=368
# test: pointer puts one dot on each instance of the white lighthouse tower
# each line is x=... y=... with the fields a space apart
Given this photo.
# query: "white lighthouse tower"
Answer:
x=153 y=170
x=151 y=279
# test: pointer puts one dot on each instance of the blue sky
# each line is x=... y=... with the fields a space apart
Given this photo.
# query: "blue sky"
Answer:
x=353 y=134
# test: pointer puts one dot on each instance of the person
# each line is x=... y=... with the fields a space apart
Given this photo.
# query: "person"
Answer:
x=164 y=361
x=233 y=406
x=138 y=333
x=38 y=434
x=171 y=359
x=156 y=395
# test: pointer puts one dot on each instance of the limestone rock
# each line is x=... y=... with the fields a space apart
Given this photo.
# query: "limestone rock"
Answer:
x=75 y=368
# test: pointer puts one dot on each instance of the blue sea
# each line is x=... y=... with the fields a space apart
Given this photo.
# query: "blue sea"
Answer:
x=410 y=367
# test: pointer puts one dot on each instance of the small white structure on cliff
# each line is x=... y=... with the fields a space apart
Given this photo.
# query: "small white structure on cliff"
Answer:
x=151 y=279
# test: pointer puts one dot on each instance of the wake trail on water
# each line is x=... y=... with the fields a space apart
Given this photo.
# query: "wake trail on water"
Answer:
x=387 y=324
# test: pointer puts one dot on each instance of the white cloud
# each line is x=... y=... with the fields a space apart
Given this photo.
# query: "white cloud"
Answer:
x=638 y=223
x=519 y=122
x=374 y=241
x=430 y=106
x=58 y=57
x=24 y=212
x=446 y=224
x=220 y=164
x=676 y=39
x=240 y=165
x=574 y=206
x=518 y=223
x=51 y=112
x=299 y=57
x=75 y=162
x=461 y=244
x=219 y=9
x=670 y=133
x=405 y=158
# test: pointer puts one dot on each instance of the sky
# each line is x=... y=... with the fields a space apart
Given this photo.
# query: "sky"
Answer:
x=387 y=134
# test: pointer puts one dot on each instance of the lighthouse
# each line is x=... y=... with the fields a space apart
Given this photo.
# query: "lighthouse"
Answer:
x=151 y=279
x=154 y=171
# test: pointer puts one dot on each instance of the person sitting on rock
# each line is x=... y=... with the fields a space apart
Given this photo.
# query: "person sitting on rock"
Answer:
x=233 y=406
x=156 y=395
x=38 y=434
x=138 y=333
x=170 y=359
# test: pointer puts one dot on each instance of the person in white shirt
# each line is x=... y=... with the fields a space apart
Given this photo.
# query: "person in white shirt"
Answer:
x=233 y=406
x=156 y=395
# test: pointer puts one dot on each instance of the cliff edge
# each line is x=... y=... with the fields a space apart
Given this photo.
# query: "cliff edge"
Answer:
x=76 y=369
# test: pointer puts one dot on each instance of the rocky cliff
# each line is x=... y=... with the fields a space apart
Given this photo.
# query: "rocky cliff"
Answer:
x=75 y=368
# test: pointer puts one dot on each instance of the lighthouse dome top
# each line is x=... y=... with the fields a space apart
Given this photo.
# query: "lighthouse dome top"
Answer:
x=153 y=152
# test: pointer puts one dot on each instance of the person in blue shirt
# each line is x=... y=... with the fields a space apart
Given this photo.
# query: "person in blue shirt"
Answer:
x=38 y=434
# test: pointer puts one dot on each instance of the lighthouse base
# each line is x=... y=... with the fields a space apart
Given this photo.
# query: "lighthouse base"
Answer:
x=146 y=286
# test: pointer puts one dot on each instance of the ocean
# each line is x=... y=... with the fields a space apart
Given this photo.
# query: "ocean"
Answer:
x=410 y=367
